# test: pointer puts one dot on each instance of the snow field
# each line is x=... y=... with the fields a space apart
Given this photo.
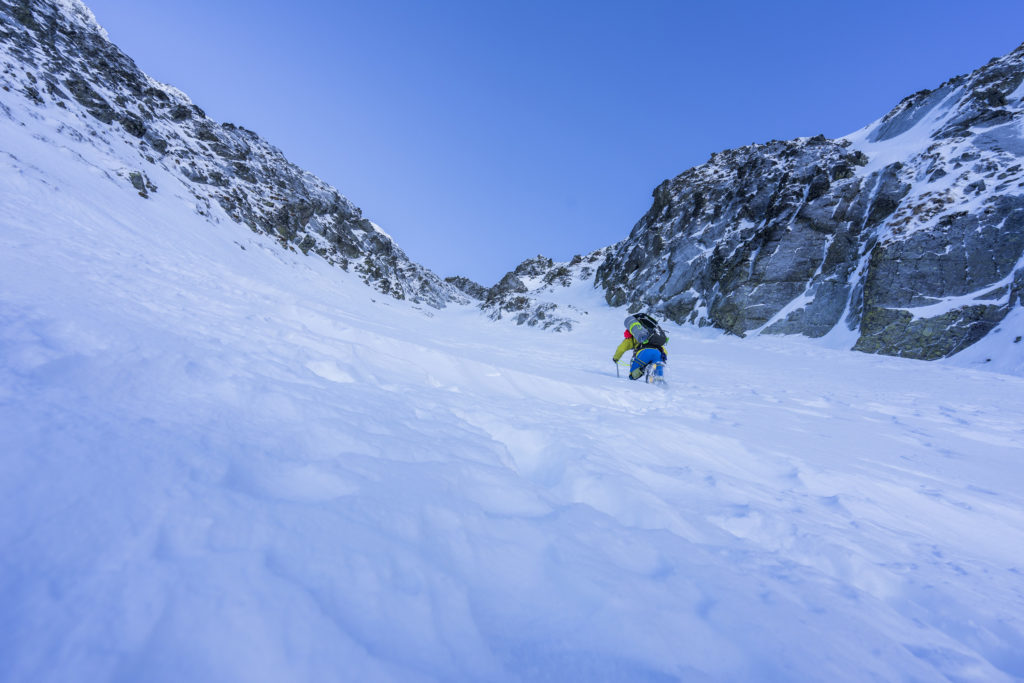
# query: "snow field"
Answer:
x=223 y=461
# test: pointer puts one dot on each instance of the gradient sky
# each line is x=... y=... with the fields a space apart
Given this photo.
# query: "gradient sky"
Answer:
x=479 y=133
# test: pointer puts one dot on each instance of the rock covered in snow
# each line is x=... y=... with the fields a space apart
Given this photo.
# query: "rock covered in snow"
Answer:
x=905 y=238
x=55 y=54
x=470 y=288
x=526 y=293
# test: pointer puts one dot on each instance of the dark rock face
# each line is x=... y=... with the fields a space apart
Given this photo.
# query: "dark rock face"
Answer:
x=221 y=165
x=732 y=242
x=916 y=254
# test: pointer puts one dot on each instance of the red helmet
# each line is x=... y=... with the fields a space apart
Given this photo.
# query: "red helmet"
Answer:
x=627 y=335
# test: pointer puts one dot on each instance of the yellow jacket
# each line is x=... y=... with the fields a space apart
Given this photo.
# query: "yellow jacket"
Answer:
x=628 y=344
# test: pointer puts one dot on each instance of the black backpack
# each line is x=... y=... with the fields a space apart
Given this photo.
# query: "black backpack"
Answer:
x=656 y=336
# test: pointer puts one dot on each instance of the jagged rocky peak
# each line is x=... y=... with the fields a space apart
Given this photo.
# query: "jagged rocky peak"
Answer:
x=470 y=288
x=904 y=238
x=985 y=99
x=54 y=54
x=532 y=293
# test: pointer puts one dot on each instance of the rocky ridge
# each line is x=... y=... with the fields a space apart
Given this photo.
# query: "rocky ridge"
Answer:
x=529 y=294
x=905 y=238
x=54 y=54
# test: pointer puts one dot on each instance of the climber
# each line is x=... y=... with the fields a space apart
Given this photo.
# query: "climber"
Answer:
x=647 y=340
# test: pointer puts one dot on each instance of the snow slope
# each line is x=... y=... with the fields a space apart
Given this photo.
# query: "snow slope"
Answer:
x=222 y=461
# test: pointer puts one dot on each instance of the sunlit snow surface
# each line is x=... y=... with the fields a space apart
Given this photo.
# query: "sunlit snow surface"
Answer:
x=222 y=461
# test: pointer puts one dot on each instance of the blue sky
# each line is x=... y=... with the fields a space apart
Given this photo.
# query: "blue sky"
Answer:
x=481 y=133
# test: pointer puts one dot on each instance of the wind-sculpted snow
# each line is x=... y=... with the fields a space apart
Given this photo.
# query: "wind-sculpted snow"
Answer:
x=55 y=55
x=905 y=238
x=223 y=461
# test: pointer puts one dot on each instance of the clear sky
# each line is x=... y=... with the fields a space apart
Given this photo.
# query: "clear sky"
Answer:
x=482 y=132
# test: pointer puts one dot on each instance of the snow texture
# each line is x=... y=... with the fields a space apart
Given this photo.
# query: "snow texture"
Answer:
x=225 y=461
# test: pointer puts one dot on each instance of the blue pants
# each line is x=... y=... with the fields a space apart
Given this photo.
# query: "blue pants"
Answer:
x=645 y=358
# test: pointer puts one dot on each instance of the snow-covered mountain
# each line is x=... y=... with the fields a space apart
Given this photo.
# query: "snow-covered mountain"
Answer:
x=905 y=238
x=533 y=293
x=56 y=56
x=231 y=464
x=224 y=460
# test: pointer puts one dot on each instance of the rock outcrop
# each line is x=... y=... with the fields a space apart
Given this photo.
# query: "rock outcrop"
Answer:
x=905 y=238
x=534 y=293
